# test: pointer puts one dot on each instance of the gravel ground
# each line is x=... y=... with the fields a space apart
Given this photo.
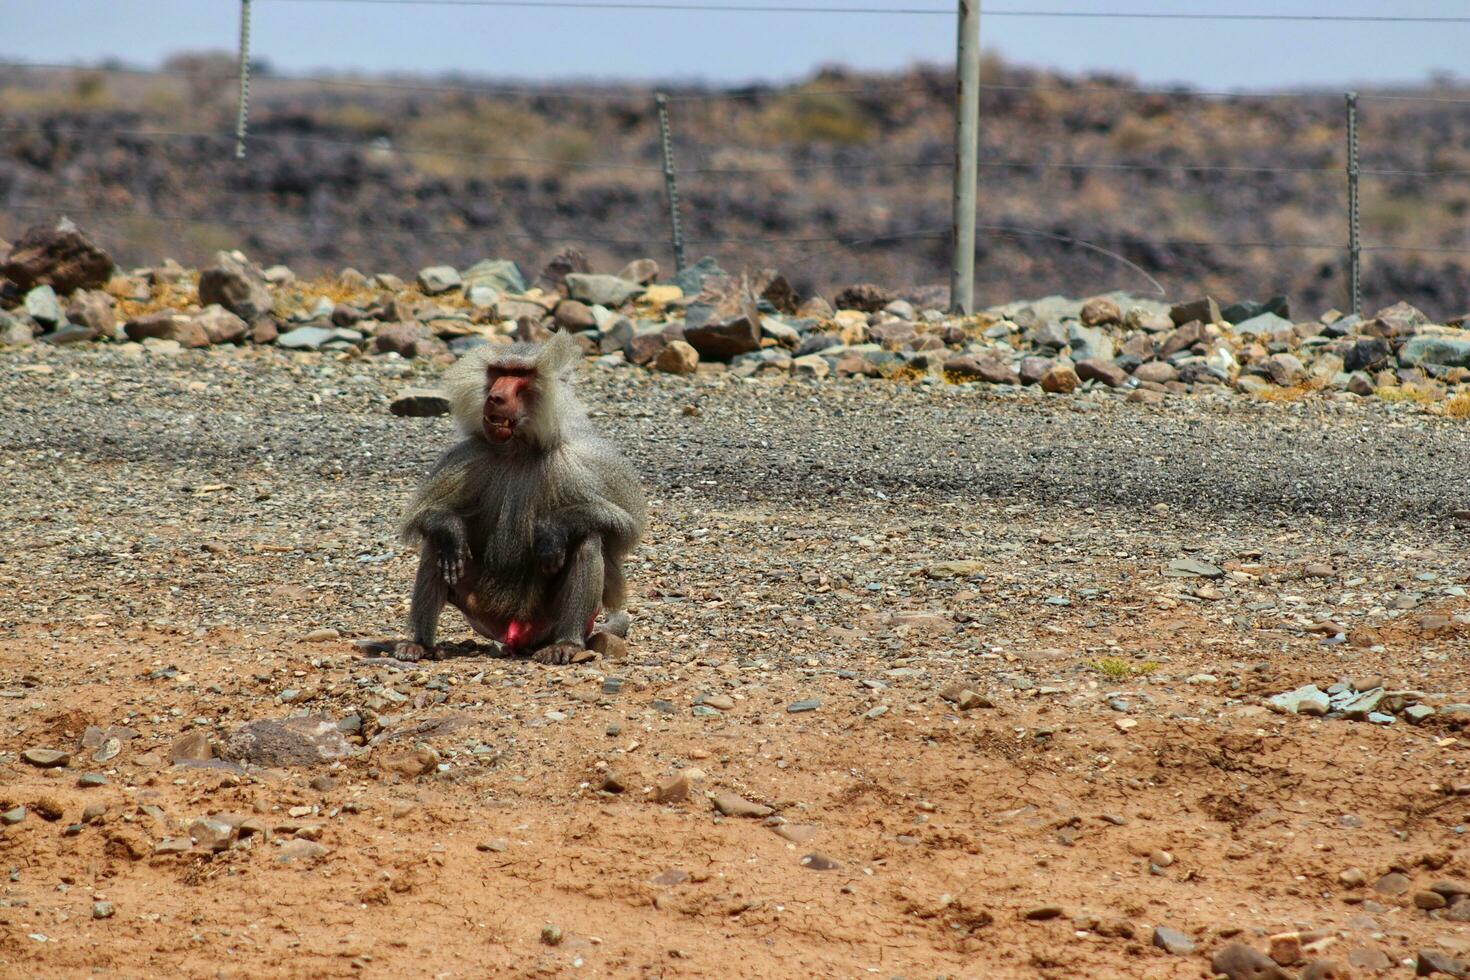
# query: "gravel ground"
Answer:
x=195 y=538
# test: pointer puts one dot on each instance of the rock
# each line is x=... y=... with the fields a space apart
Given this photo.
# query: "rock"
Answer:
x=406 y=340
x=1100 y=312
x=800 y=707
x=1286 y=948
x=410 y=765
x=1284 y=369
x=609 y=646
x=1366 y=958
x=1156 y=372
x=167 y=325
x=437 y=279
x=779 y=331
x=1398 y=320
x=483 y=297
x=1089 y=343
x=1429 y=900
x=677 y=357
x=419 y=403
x=15 y=331
x=1306 y=700
x=502 y=275
x=1441 y=351
x=1392 y=884
x=1183 y=339
x=601 y=290
x=211 y=834
x=1428 y=962
x=1042 y=913
x=60 y=256
x=723 y=340
x=990 y=369
x=1204 y=310
x=46 y=758
x=732 y=805
x=1241 y=962
x=237 y=285
x=811 y=366
x=574 y=316
x=867 y=297
x=1105 y=372
x=964 y=698
x=1033 y=369
x=1360 y=384
x=191 y=747
x=12 y=816
x=641 y=271
x=42 y=306
x=818 y=862
x=675 y=789
x=173 y=845
x=1352 y=877
x=92 y=308
x=1323 y=970
x=296 y=741
x=305 y=338
x=220 y=326
x=1366 y=355
x=1244 y=310
x=301 y=850
x=1262 y=325
x=1193 y=568
x=103 y=910
x=1172 y=941
x=1060 y=380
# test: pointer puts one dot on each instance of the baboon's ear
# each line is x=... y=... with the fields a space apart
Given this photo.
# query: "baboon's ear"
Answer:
x=557 y=355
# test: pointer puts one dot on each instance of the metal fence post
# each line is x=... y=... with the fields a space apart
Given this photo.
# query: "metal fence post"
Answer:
x=242 y=110
x=1355 y=269
x=966 y=149
x=671 y=183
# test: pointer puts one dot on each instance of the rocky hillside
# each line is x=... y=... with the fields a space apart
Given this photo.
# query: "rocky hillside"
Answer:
x=391 y=180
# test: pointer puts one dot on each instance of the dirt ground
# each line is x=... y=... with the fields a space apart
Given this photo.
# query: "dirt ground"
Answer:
x=194 y=543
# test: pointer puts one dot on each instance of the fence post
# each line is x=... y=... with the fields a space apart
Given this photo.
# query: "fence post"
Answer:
x=671 y=183
x=966 y=149
x=1355 y=270
x=242 y=110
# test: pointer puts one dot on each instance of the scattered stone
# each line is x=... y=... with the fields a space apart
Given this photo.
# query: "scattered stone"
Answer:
x=675 y=789
x=1428 y=962
x=419 y=403
x=103 y=910
x=46 y=758
x=732 y=805
x=1172 y=941
x=235 y=284
x=677 y=357
x=13 y=816
x=798 y=707
x=1060 y=380
x=819 y=862
x=191 y=747
x=298 y=741
x=723 y=340
x=601 y=290
x=1241 y=962
x=438 y=279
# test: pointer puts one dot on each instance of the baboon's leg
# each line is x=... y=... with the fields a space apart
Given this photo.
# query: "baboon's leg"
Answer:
x=429 y=595
x=575 y=603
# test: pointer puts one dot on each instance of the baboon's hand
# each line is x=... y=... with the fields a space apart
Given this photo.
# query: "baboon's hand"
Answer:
x=549 y=543
x=452 y=551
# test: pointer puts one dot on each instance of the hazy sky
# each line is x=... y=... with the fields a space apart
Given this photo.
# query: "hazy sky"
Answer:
x=725 y=47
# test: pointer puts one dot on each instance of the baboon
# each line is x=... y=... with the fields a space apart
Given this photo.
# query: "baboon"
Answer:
x=525 y=524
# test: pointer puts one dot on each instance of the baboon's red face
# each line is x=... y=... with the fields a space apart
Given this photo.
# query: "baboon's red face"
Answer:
x=508 y=398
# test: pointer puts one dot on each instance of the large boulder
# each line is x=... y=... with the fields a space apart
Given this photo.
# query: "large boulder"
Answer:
x=237 y=285
x=60 y=256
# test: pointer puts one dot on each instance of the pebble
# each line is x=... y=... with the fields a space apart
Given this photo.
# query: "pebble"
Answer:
x=102 y=910
x=797 y=707
x=794 y=832
x=1428 y=962
x=819 y=862
x=1392 y=884
x=551 y=934
x=1042 y=913
x=46 y=758
x=1172 y=941
x=497 y=845
x=732 y=805
x=321 y=636
x=673 y=789
x=1241 y=962
x=13 y=816
x=721 y=701
x=91 y=780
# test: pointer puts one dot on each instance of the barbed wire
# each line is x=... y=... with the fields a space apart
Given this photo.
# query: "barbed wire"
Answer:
x=658 y=5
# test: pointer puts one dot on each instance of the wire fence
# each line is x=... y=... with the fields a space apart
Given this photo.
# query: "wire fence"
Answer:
x=661 y=158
